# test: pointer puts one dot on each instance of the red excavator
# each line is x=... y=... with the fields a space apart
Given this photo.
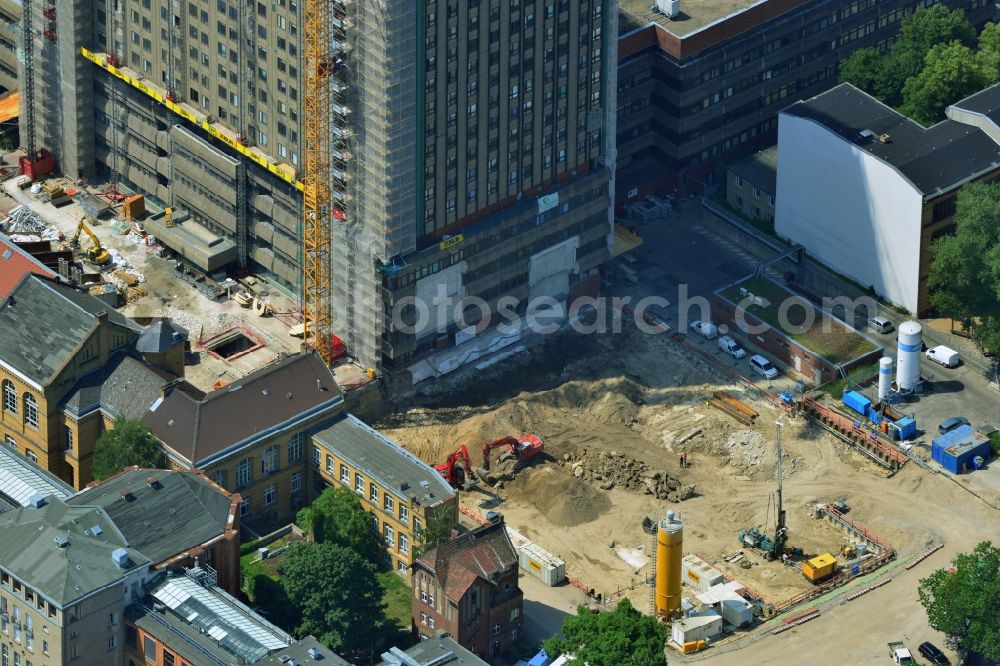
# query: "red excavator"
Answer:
x=521 y=449
x=457 y=471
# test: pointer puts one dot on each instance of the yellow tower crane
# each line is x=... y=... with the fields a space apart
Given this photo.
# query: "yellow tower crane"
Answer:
x=317 y=308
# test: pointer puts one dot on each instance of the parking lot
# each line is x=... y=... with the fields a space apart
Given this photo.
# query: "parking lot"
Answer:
x=678 y=259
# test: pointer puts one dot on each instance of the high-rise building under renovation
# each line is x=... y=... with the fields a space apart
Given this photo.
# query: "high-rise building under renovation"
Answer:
x=472 y=143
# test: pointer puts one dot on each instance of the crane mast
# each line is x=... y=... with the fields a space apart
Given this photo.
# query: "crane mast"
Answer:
x=317 y=308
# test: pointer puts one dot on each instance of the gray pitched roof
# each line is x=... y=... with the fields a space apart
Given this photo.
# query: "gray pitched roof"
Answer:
x=42 y=324
x=160 y=336
x=201 y=428
x=440 y=650
x=181 y=510
x=934 y=159
x=124 y=388
x=299 y=651
x=29 y=552
x=384 y=460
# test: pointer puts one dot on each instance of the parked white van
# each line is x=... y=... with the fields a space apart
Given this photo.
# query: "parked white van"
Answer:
x=706 y=329
x=763 y=367
x=731 y=347
x=946 y=356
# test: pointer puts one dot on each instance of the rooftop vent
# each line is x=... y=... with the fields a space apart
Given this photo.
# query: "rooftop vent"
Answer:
x=7 y=254
x=672 y=8
x=120 y=557
x=127 y=495
x=61 y=541
x=315 y=653
x=266 y=391
x=96 y=530
x=37 y=501
x=884 y=138
x=153 y=482
x=866 y=134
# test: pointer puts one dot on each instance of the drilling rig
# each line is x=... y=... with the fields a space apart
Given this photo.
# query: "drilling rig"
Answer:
x=773 y=547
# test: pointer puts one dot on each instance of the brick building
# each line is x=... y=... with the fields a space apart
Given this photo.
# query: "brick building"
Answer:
x=468 y=588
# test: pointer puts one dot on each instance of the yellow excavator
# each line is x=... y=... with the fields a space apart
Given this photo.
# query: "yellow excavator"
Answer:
x=96 y=255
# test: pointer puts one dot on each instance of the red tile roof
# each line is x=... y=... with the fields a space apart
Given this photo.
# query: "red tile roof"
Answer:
x=15 y=263
x=484 y=552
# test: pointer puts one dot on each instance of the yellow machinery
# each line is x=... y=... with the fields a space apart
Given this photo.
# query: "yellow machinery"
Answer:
x=669 y=552
x=320 y=65
x=819 y=568
x=96 y=255
x=168 y=217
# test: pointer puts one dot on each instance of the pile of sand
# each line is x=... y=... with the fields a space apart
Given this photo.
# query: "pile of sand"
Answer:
x=563 y=499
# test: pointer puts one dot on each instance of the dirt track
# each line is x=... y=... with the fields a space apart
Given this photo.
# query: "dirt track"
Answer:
x=641 y=397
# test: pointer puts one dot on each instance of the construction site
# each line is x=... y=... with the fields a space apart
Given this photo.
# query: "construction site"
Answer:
x=634 y=425
x=101 y=243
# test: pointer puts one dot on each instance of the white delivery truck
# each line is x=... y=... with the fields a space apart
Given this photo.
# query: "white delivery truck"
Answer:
x=946 y=356
x=731 y=347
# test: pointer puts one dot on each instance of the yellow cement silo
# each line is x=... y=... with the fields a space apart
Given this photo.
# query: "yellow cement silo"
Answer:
x=669 y=551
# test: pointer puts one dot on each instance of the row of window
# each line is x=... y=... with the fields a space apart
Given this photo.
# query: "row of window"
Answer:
x=150 y=647
x=10 y=403
x=270 y=463
x=271 y=494
x=388 y=503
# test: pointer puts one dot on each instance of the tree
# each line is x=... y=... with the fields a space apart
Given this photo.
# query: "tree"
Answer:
x=622 y=637
x=885 y=75
x=964 y=276
x=129 y=443
x=965 y=604
x=951 y=72
x=337 y=517
x=863 y=69
x=988 y=56
x=438 y=529
x=337 y=595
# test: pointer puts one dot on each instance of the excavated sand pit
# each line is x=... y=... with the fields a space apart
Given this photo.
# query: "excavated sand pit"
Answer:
x=643 y=399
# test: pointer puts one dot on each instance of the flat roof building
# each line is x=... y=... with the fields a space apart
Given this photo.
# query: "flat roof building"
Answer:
x=708 y=84
x=866 y=190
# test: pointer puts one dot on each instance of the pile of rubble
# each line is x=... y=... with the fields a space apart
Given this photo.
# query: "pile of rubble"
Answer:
x=611 y=470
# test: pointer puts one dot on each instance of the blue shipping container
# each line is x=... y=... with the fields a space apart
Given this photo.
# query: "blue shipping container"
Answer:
x=857 y=402
x=956 y=450
x=907 y=428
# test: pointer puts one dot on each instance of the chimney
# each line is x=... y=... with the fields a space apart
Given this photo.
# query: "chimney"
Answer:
x=102 y=316
x=153 y=482
x=127 y=494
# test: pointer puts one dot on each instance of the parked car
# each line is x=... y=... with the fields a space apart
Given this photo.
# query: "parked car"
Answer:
x=946 y=356
x=880 y=325
x=731 y=347
x=705 y=329
x=950 y=424
x=931 y=653
x=763 y=367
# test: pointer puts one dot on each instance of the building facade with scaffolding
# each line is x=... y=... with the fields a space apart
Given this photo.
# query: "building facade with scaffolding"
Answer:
x=468 y=146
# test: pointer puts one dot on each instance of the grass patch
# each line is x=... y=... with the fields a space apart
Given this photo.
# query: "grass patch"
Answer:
x=826 y=337
x=262 y=586
x=835 y=389
x=397 y=597
x=995 y=442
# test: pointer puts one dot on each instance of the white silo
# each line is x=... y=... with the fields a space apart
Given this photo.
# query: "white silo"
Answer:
x=908 y=361
x=884 y=378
